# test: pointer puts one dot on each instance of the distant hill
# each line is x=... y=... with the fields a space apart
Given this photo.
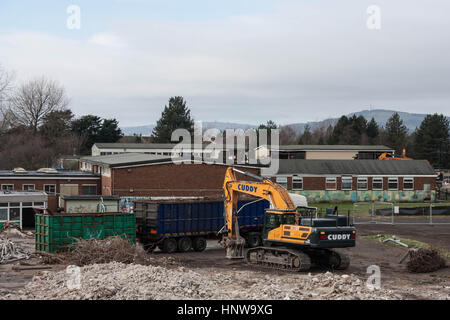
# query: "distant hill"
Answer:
x=146 y=130
x=411 y=120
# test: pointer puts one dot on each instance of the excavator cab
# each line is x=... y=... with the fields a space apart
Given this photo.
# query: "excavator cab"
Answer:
x=273 y=220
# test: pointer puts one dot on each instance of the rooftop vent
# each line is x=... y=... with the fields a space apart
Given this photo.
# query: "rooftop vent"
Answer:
x=47 y=170
x=19 y=169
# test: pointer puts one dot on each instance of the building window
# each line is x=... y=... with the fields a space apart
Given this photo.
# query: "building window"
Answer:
x=88 y=189
x=330 y=184
x=28 y=187
x=297 y=183
x=282 y=181
x=362 y=183
x=14 y=214
x=50 y=188
x=408 y=183
x=377 y=183
x=347 y=183
x=3 y=214
x=7 y=187
x=393 y=183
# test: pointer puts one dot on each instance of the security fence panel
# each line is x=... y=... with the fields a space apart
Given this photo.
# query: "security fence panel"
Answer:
x=400 y=213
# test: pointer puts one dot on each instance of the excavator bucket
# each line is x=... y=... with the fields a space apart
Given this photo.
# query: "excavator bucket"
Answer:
x=235 y=248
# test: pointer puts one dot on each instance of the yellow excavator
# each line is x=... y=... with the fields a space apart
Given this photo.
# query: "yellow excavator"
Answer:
x=293 y=238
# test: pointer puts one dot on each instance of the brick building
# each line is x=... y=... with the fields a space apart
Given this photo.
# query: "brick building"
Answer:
x=53 y=182
x=363 y=180
x=144 y=175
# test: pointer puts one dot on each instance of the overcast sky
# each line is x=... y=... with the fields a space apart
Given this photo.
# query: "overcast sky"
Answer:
x=242 y=61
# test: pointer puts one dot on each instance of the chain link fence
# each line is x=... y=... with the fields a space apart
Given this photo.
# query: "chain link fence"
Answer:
x=400 y=213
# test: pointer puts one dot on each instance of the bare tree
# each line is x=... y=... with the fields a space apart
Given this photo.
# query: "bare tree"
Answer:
x=288 y=135
x=6 y=79
x=33 y=100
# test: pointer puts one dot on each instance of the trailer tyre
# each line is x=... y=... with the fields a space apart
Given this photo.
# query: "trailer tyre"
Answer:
x=184 y=244
x=199 y=244
x=254 y=240
x=169 y=245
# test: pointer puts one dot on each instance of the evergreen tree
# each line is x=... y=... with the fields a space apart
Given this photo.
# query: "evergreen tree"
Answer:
x=432 y=140
x=338 y=130
x=175 y=116
x=109 y=131
x=269 y=125
x=372 y=131
x=87 y=127
x=56 y=124
x=396 y=133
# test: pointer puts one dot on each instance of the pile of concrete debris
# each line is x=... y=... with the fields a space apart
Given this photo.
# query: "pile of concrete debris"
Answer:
x=132 y=281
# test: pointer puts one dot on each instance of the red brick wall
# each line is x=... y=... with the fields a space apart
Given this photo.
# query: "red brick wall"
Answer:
x=172 y=180
x=106 y=186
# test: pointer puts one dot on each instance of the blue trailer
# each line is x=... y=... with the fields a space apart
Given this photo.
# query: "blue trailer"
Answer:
x=185 y=224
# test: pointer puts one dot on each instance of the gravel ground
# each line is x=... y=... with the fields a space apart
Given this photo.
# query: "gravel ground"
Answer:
x=130 y=281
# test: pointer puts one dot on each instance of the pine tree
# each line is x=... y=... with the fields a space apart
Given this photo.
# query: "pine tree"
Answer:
x=175 y=116
x=372 y=131
x=269 y=125
x=396 y=133
x=109 y=131
x=432 y=140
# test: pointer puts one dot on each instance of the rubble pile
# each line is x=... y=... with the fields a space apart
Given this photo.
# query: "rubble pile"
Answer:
x=12 y=230
x=132 y=281
x=9 y=252
x=91 y=251
x=425 y=260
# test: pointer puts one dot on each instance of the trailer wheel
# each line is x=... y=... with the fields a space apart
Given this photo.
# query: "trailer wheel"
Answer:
x=169 y=245
x=184 y=244
x=254 y=240
x=199 y=244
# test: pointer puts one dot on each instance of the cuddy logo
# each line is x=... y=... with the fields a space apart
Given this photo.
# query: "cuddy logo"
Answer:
x=244 y=187
x=339 y=236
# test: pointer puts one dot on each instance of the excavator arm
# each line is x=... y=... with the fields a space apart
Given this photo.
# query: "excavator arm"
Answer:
x=263 y=188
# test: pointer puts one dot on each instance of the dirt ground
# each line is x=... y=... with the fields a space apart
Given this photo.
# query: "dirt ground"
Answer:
x=367 y=252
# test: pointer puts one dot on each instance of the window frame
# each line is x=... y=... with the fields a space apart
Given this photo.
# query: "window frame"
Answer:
x=52 y=193
x=389 y=182
x=334 y=181
x=382 y=183
x=89 y=185
x=351 y=183
x=412 y=182
x=298 y=178
x=281 y=184
x=28 y=184
x=7 y=184
x=366 y=181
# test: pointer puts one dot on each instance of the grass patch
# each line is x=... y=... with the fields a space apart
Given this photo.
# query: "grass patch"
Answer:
x=409 y=242
x=363 y=210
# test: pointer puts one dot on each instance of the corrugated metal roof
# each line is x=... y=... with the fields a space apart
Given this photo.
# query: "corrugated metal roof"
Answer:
x=135 y=145
x=318 y=147
x=164 y=146
x=126 y=158
x=58 y=174
x=356 y=167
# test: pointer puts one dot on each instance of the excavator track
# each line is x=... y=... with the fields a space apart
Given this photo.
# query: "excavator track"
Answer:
x=344 y=260
x=330 y=258
x=279 y=258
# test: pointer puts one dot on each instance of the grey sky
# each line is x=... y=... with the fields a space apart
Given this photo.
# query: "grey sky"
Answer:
x=289 y=61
